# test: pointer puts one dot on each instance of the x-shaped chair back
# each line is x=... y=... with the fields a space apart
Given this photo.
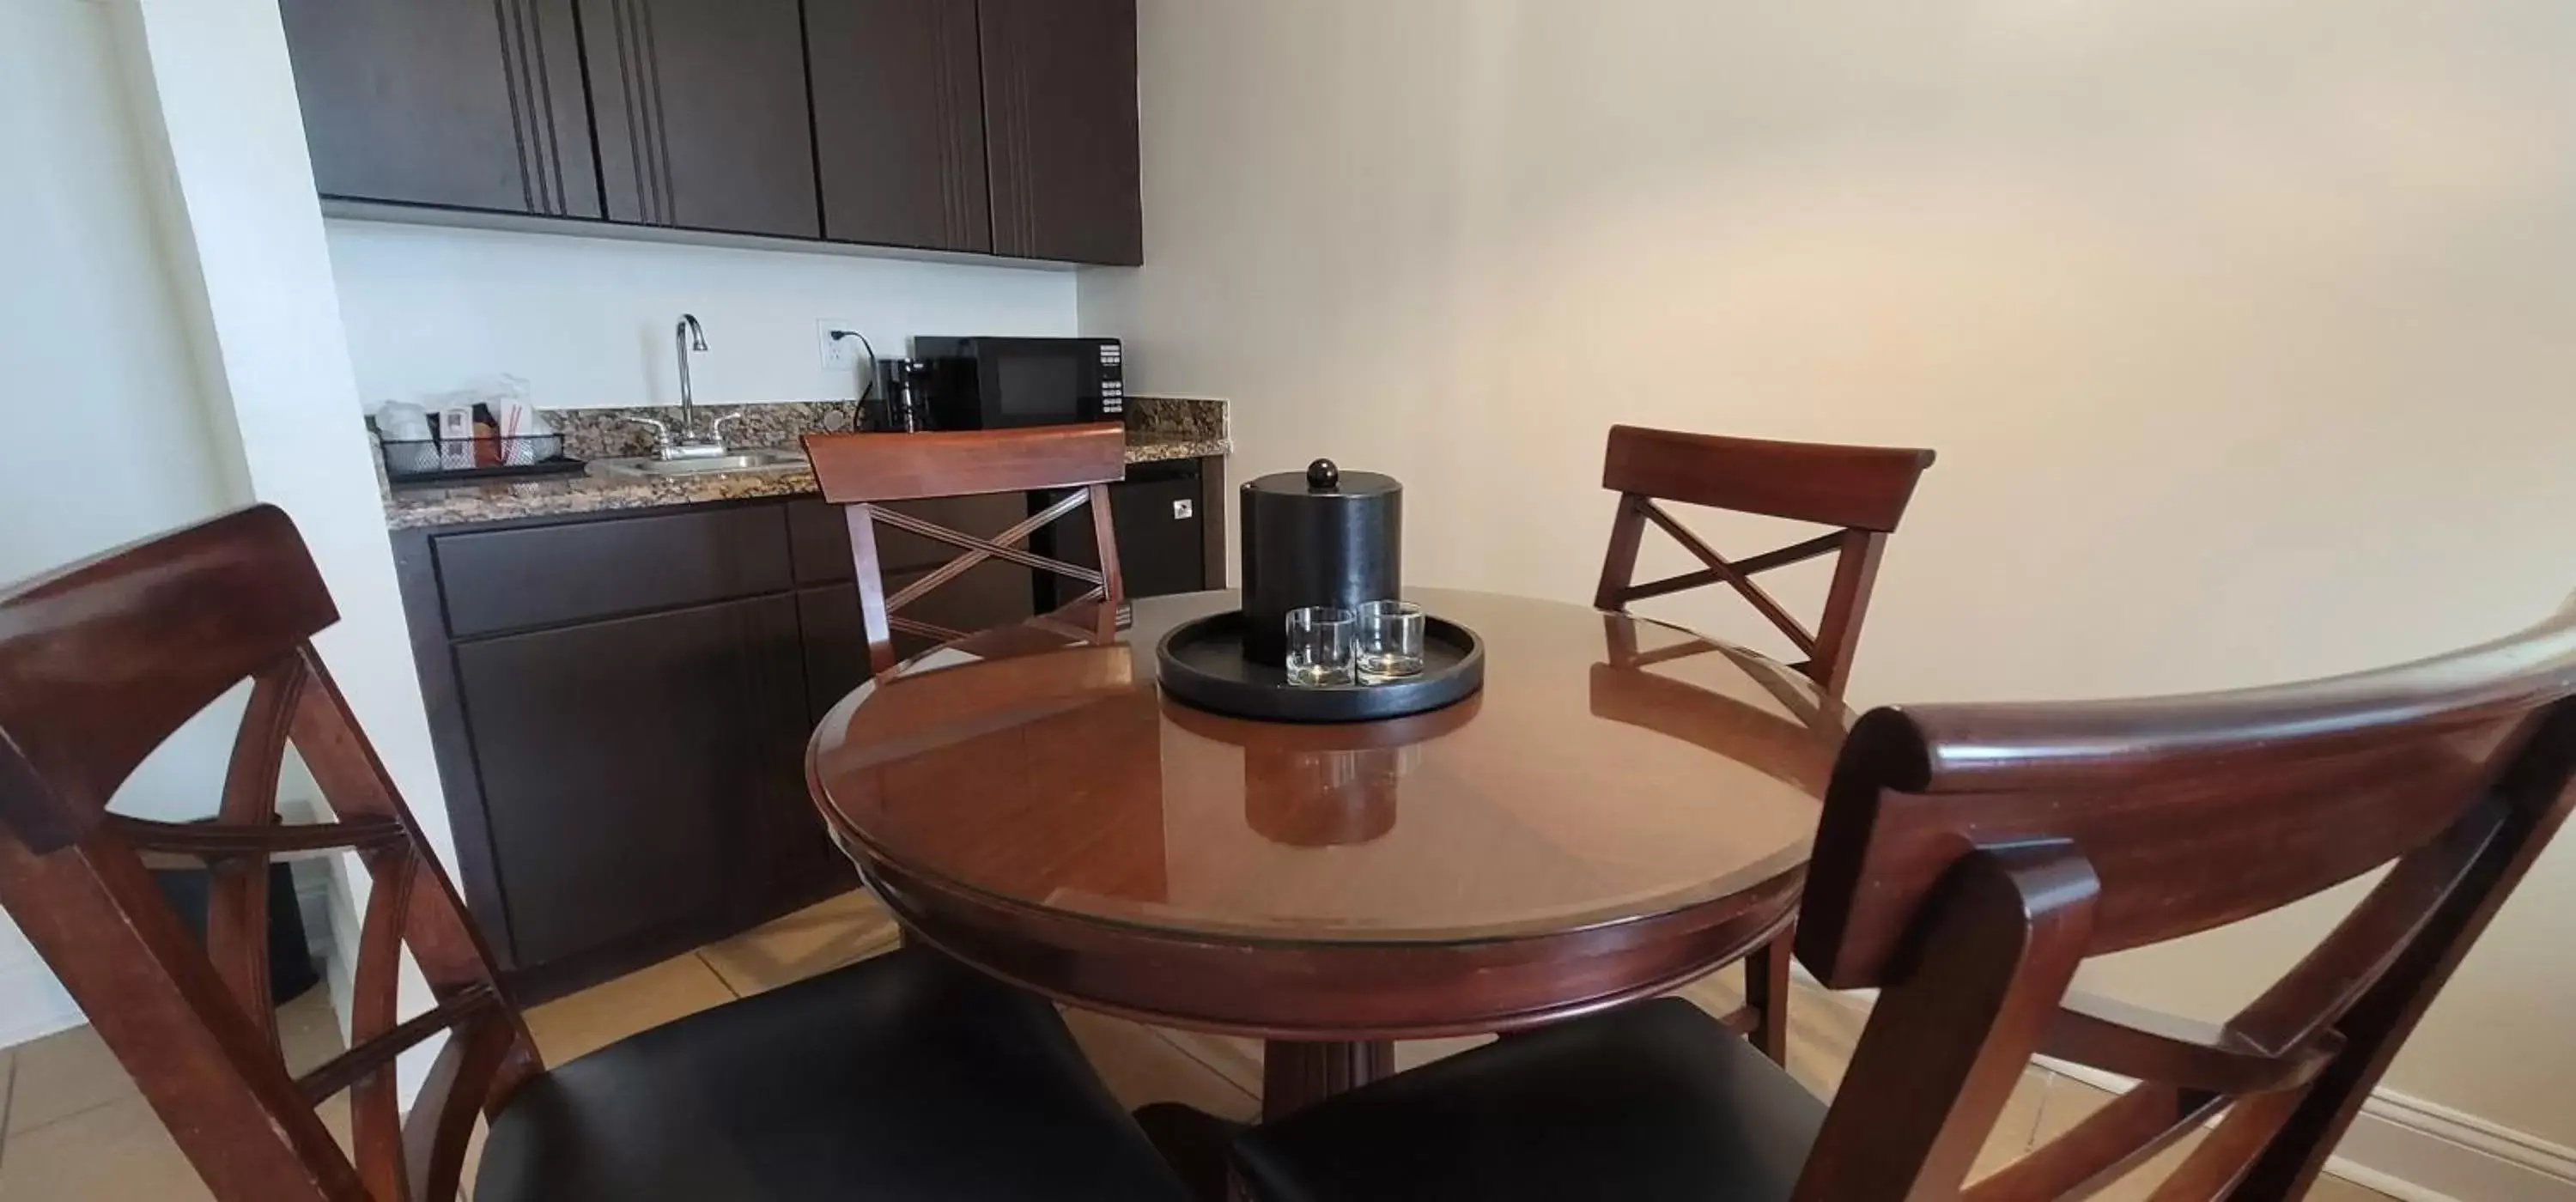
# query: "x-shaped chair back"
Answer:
x=1861 y=491
x=99 y=663
x=862 y=471
x=1971 y=857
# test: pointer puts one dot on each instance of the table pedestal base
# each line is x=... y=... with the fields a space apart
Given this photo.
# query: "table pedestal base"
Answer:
x=1193 y=1142
x=1294 y=1074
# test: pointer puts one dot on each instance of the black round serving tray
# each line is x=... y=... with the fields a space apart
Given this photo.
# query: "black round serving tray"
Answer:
x=1201 y=662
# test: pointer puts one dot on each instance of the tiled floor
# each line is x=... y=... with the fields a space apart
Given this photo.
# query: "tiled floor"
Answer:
x=75 y=1130
x=78 y=1131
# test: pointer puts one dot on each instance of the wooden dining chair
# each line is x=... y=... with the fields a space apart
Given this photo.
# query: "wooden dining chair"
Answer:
x=1971 y=857
x=905 y=1074
x=1860 y=491
x=861 y=472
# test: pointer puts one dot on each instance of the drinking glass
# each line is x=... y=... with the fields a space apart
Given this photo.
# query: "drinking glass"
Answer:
x=1390 y=638
x=1319 y=646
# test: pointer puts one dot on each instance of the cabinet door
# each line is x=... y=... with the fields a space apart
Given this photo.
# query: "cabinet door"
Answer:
x=463 y=103
x=637 y=772
x=1060 y=129
x=990 y=594
x=836 y=645
x=1161 y=535
x=899 y=122
x=702 y=114
x=491 y=581
x=1161 y=531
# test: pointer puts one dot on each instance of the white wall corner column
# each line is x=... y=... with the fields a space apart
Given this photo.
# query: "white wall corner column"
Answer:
x=255 y=272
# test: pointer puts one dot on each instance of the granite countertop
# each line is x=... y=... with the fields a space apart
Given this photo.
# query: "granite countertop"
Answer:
x=1157 y=429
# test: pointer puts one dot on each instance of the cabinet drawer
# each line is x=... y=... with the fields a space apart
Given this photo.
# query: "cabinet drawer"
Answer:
x=542 y=575
x=821 y=534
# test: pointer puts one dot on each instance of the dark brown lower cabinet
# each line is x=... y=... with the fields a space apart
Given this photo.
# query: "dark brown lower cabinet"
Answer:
x=620 y=705
x=990 y=594
x=636 y=768
x=1164 y=515
x=836 y=646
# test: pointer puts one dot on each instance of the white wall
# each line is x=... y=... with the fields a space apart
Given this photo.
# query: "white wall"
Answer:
x=587 y=321
x=238 y=194
x=2242 y=329
x=110 y=439
x=175 y=351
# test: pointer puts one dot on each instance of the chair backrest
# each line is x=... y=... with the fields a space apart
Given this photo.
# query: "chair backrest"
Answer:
x=860 y=471
x=99 y=663
x=1860 y=490
x=1971 y=856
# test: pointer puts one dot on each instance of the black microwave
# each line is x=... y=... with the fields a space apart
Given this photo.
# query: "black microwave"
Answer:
x=994 y=383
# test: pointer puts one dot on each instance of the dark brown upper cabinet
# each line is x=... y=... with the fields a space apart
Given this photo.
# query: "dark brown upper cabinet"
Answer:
x=1003 y=127
x=899 y=122
x=462 y=104
x=703 y=114
x=1060 y=129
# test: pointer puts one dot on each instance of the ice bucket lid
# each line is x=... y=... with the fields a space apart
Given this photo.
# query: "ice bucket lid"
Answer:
x=1323 y=478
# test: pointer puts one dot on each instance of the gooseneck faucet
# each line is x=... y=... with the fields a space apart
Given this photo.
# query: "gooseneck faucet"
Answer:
x=691 y=337
x=687 y=442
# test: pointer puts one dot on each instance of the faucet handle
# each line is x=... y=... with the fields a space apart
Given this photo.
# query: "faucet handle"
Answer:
x=717 y=427
x=661 y=429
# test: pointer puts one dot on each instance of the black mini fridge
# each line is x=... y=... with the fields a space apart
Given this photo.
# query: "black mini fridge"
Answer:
x=1157 y=513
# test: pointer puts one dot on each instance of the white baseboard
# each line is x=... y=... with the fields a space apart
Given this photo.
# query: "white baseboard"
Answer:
x=313 y=902
x=340 y=969
x=2419 y=1151
x=2422 y=1151
x=2400 y=1145
x=32 y=1003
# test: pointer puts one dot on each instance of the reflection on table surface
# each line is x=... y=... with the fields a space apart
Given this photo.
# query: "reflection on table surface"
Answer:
x=1611 y=767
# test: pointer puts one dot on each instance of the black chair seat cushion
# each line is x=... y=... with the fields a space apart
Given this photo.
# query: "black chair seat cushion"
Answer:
x=905 y=1076
x=1647 y=1102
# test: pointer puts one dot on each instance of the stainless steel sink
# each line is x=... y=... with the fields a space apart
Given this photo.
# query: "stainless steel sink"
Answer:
x=707 y=465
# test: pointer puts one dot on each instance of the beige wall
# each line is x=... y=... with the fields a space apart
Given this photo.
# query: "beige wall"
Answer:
x=2246 y=331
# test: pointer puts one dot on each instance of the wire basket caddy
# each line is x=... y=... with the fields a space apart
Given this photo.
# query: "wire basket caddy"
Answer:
x=447 y=460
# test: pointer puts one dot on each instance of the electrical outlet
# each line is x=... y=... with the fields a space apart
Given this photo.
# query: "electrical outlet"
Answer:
x=843 y=353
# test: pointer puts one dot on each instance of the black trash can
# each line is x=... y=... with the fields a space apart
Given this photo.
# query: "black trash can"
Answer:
x=290 y=957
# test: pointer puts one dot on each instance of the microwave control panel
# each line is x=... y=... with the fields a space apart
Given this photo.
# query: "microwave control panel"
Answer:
x=1113 y=379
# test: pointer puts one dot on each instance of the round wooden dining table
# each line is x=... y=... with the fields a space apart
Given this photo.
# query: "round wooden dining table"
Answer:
x=1622 y=808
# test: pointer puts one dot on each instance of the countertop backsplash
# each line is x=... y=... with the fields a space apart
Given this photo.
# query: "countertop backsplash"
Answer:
x=606 y=434
x=1183 y=419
